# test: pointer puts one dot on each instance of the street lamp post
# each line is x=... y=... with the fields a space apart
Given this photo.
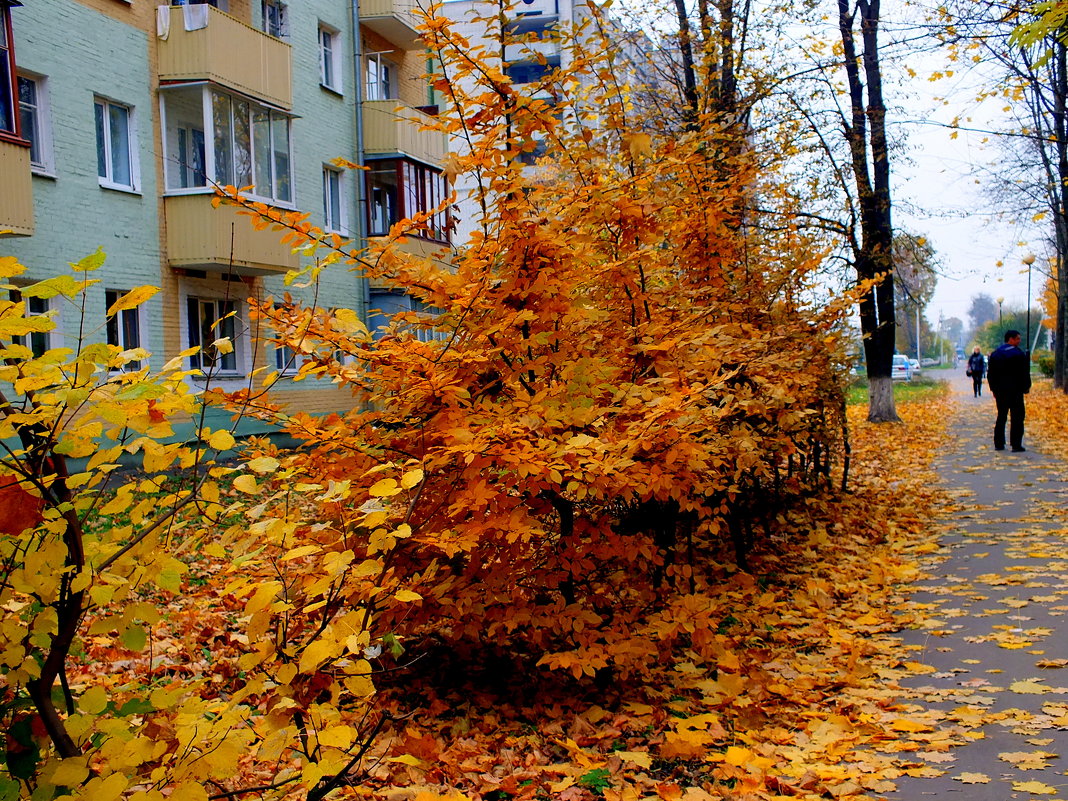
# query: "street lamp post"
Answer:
x=1029 y=259
x=1000 y=323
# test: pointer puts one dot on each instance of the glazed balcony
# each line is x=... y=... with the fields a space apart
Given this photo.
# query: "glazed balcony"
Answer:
x=395 y=20
x=200 y=237
x=16 y=197
x=227 y=52
x=391 y=128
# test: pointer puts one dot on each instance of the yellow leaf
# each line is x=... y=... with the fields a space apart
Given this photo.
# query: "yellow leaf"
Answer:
x=973 y=778
x=384 y=488
x=640 y=758
x=405 y=596
x=264 y=464
x=1038 y=788
x=245 y=483
x=132 y=299
x=906 y=725
x=408 y=759
x=93 y=700
x=338 y=736
x=639 y=144
x=223 y=345
x=221 y=440
x=1029 y=687
x=70 y=772
x=411 y=478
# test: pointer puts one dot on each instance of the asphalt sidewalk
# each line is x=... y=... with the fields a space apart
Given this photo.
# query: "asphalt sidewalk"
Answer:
x=990 y=660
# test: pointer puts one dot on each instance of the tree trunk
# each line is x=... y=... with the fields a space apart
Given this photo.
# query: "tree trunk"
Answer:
x=874 y=256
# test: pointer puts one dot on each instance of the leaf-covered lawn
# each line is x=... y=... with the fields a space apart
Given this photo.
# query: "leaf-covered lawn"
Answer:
x=782 y=685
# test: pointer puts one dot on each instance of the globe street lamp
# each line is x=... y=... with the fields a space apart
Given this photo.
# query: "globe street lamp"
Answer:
x=1029 y=259
x=1000 y=301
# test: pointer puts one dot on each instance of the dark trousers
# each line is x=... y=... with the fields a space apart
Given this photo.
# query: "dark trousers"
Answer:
x=977 y=384
x=1011 y=406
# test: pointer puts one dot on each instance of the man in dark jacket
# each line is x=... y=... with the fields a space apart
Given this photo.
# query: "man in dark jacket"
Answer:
x=1008 y=373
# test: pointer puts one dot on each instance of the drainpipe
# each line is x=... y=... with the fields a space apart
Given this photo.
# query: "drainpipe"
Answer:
x=360 y=226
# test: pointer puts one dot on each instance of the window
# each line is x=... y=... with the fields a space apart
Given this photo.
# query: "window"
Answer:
x=39 y=341
x=329 y=58
x=332 y=205
x=385 y=304
x=33 y=115
x=114 y=145
x=275 y=18
x=208 y=320
x=400 y=188
x=123 y=327
x=210 y=134
x=9 y=122
x=531 y=71
x=381 y=78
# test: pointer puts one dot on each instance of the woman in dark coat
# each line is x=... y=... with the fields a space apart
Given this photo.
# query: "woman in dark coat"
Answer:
x=976 y=368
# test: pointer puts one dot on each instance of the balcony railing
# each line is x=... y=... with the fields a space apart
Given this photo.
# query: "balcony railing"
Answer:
x=16 y=194
x=228 y=52
x=395 y=20
x=201 y=237
x=393 y=128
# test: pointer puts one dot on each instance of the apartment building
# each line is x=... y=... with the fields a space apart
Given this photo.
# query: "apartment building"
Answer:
x=118 y=116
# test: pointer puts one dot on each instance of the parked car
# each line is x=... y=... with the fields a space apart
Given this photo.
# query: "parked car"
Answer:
x=915 y=365
x=901 y=369
x=928 y=361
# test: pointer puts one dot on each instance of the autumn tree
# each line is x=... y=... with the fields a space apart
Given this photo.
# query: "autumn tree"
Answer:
x=1024 y=43
x=982 y=310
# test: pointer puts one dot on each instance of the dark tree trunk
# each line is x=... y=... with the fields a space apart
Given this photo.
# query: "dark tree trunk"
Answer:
x=865 y=132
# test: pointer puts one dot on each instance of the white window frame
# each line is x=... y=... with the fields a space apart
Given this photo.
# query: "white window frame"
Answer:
x=44 y=308
x=381 y=76
x=329 y=58
x=338 y=225
x=108 y=179
x=120 y=320
x=197 y=361
x=279 y=30
x=211 y=156
x=40 y=137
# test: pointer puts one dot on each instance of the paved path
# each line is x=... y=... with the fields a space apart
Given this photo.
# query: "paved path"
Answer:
x=998 y=594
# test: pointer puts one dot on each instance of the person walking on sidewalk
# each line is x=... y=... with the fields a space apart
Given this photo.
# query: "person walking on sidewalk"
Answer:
x=976 y=369
x=1008 y=373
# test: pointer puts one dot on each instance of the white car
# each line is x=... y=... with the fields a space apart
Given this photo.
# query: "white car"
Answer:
x=915 y=365
x=901 y=370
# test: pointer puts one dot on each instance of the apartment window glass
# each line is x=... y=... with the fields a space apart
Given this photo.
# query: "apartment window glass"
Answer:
x=252 y=147
x=329 y=58
x=381 y=78
x=383 y=201
x=275 y=18
x=33 y=116
x=531 y=71
x=114 y=146
x=8 y=117
x=209 y=319
x=123 y=327
x=332 y=199
x=400 y=188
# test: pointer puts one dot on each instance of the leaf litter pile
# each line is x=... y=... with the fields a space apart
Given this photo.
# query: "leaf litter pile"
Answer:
x=799 y=700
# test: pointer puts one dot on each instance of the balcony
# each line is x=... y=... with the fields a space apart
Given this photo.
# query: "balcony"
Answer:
x=228 y=52
x=200 y=237
x=16 y=197
x=391 y=128
x=395 y=20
